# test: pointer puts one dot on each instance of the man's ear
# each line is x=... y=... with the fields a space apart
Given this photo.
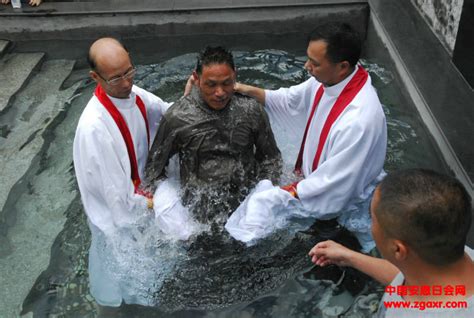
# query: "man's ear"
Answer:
x=400 y=250
x=196 y=78
x=344 y=67
x=94 y=76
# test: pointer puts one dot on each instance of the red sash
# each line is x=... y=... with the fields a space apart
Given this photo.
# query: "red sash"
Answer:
x=347 y=95
x=122 y=125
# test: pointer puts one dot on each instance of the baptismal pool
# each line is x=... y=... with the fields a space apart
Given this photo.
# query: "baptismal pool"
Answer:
x=222 y=278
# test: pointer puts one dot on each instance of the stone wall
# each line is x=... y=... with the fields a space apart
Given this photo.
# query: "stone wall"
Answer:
x=443 y=17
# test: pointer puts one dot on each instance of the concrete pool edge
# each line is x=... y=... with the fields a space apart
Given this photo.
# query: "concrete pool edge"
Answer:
x=423 y=108
x=437 y=98
x=444 y=96
x=80 y=25
x=140 y=6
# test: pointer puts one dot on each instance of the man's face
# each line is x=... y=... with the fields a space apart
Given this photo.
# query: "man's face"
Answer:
x=319 y=66
x=377 y=232
x=115 y=67
x=216 y=84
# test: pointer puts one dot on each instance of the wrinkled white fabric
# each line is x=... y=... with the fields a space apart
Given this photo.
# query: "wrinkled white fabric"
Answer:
x=172 y=218
x=262 y=212
x=101 y=159
x=103 y=173
x=268 y=208
x=352 y=159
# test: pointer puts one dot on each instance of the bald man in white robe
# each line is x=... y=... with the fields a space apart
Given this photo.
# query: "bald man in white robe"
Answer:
x=111 y=145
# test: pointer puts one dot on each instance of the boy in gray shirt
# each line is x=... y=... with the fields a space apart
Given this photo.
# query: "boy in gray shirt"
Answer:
x=420 y=221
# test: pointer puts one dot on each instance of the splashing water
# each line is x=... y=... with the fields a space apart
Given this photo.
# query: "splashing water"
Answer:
x=211 y=274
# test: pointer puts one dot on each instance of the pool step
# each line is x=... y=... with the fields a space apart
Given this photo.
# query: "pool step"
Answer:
x=15 y=70
x=28 y=129
x=30 y=113
x=4 y=46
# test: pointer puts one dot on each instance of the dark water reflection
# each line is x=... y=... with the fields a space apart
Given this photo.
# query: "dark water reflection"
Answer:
x=221 y=277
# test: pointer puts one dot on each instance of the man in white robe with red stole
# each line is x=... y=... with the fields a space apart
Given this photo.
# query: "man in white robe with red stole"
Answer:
x=344 y=144
x=111 y=146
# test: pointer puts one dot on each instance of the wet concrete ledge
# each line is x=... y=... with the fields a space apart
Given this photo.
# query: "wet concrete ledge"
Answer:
x=80 y=20
x=156 y=29
x=442 y=96
x=446 y=101
x=88 y=7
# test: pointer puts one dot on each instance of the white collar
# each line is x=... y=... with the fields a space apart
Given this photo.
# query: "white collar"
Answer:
x=124 y=103
x=335 y=90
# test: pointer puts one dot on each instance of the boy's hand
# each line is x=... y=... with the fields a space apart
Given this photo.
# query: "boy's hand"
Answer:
x=330 y=252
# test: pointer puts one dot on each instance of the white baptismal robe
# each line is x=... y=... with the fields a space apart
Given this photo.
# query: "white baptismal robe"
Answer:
x=103 y=173
x=351 y=162
x=102 y=162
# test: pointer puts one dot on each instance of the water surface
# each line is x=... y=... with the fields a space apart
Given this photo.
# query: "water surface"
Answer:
x=221 y=277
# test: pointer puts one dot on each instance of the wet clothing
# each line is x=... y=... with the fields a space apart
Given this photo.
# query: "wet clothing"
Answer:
x=351 y=162
x=221 y=152
x=401 y=312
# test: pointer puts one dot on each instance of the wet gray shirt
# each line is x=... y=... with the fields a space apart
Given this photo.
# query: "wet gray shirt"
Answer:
x=221 y=153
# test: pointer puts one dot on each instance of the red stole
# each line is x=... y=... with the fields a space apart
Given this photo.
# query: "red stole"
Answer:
x=122 y=126
x=347 y=95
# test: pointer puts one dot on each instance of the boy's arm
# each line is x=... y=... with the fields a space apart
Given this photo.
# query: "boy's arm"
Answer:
x=329 y=252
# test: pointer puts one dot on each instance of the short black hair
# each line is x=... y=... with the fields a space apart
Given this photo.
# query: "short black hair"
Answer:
x=343 y=41
x=431 y=212
x=91 y=61
x=214 y=55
